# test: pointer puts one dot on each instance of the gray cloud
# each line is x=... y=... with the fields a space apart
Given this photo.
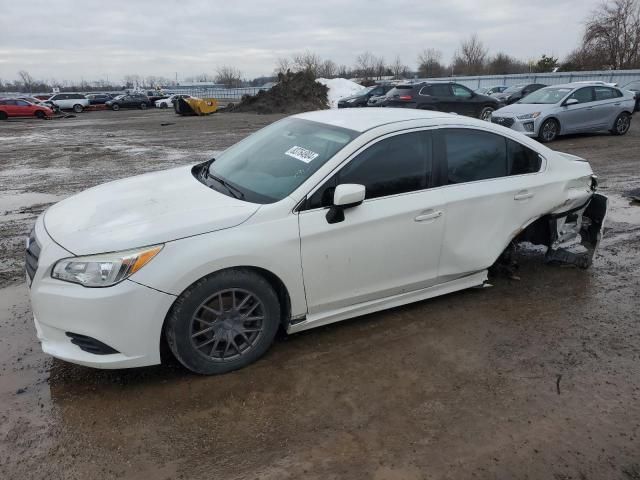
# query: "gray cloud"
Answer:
x=96 y=39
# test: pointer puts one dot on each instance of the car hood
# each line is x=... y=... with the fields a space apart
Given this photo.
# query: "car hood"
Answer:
x=522 y=108
x=142 y=210
x=502 y=96
x=352 y=97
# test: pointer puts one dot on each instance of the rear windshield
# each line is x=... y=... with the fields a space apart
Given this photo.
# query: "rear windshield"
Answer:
x=400 y=90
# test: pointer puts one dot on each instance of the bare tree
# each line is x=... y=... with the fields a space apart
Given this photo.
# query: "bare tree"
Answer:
x=365 y=65
x=282 y=65
x=502 y=64
x=328 y=69
x=307 y=62
x=429 y=63
x=343 y=72
x=614 y=31
x=131 y=81
x=398 y=69
x=27 y=80
x=229 y=76
x=471 y=57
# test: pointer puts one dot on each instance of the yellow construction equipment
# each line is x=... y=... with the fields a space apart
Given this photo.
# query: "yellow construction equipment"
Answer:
x=195 y=106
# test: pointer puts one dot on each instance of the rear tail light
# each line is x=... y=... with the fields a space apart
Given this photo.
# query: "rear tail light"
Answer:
x=405 y=97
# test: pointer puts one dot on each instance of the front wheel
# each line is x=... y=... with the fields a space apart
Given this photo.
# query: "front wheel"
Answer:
x=622 y=124
x=485 y=113
x=115 y=107
x=143 y=106
x=548 y=131
x=223 y=322
x=163 y=105
x=40 y=114
x=77 y=108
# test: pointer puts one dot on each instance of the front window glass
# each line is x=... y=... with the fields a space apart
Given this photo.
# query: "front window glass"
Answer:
x=270 y=164
x=583 y=95
x=460 y=92
x=549 y=95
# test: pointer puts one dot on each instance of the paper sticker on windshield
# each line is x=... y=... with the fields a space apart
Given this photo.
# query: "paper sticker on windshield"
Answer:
x=301 y=154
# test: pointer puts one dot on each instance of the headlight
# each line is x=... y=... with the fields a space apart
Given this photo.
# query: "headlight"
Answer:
x=529 y=116
x=103 y=270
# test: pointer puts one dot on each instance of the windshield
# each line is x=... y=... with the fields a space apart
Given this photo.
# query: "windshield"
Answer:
x=548 y=95
x=118 y=97
x=270 y=164
x=514 y=88
x=365 y=90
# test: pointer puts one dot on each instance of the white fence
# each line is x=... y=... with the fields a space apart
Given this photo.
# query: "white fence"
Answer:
x=621 y=77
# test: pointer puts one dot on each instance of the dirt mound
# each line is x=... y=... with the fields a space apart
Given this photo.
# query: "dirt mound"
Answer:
x=294 y=93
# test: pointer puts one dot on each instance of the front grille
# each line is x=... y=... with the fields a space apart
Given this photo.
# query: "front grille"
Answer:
x=32 y=254
x=504 y=121
x=90 y=345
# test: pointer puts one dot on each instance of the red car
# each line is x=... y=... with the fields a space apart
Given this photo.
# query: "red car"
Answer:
x=21 y=108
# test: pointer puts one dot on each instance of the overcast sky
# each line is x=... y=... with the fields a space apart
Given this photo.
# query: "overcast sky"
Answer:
x=66 y=39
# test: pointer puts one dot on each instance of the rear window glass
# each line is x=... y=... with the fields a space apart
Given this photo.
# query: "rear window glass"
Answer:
x=474 y=155
x=521 y=159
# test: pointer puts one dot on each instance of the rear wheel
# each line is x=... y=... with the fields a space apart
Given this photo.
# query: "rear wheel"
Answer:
x=143 y=106
x=40 y=114
x=115 y=107
x=548 y=131
x=485 y=113
x=77 y=108
x=163 y=105
x=622 y=124
x=3 y=115
x=223 y=322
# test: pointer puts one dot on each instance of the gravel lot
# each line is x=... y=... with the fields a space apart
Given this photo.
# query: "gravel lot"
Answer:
x=536 y=379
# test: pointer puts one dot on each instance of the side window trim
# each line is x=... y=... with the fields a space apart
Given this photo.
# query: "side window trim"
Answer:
x=332 y=176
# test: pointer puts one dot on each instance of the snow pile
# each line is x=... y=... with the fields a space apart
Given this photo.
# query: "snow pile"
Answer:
x=339 y=88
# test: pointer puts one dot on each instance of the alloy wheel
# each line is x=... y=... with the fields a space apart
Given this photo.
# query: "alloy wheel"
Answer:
x=622 y=124
x=227 y=324
x=549 y=131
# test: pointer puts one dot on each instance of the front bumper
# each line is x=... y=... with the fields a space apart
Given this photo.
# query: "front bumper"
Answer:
x=527 y=127
x=127 y=317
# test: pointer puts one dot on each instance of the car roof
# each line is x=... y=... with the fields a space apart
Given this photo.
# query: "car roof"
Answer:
x=363 y=119
x=581 y=84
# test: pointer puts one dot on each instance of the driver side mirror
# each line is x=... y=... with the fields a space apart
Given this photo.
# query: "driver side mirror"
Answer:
x=571 y=101
x=346 y=195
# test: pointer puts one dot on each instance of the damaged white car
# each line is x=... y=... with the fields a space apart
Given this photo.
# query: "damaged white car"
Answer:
x=317 y=218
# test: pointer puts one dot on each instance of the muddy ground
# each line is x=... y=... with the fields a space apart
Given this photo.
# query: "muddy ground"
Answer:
x=530 y=379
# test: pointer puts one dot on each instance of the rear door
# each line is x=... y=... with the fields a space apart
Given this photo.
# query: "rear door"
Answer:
x=606 y=106
x=492 y=188
x=24 y=109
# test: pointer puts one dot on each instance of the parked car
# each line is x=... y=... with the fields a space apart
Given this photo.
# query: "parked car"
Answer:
x=134 y=100
x=155 y=95
x=491 y=90
x=515 y=92
x=34 y=100
x=69 y=101
x=635 y=88
x=361 y=98
x=317 y=218
x=377 y=101
x=15 y=107
x=99 y=98
x=442 y=96
x=168 y=102
x=569 y=108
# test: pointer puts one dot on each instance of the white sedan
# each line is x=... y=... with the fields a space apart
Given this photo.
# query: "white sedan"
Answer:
x=317 y=218
x=168 y=102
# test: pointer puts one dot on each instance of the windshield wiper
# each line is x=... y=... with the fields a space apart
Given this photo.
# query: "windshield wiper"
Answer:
x=234 y=191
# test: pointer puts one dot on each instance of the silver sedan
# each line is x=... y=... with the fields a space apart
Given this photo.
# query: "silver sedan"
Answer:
x=569 y=108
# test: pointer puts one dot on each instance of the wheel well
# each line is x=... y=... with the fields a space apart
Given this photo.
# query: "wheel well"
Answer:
x=555 y=120
x=276 y=283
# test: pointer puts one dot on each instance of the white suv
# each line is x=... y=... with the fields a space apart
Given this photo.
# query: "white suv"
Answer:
x=317 y=218
x=68 y=101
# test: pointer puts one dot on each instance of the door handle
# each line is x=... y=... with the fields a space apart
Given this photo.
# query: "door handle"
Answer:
x=617 y=104
x=428 y=215
x=523 y=195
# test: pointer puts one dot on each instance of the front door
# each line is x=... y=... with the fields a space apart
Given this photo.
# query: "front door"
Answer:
x=579 y=116
x=389 y=244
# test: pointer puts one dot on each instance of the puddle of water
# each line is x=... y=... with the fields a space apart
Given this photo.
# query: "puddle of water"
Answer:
x=14 y=201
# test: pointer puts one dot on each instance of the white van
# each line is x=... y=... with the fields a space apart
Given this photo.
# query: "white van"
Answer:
x=64 y=101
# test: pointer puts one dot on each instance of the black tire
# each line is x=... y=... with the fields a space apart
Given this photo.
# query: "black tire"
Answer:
x=77 y=108
x=485 y=113
x=115 y=107
x=3 y=116
x=621 y=124
x=40 y=114
x=222 y=327
x=549 y=131
x=163 y=105
x=143 y=106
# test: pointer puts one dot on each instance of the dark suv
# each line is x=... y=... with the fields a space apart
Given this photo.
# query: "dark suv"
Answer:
x=444 y=97
x=361 y=98
x=517 y=92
